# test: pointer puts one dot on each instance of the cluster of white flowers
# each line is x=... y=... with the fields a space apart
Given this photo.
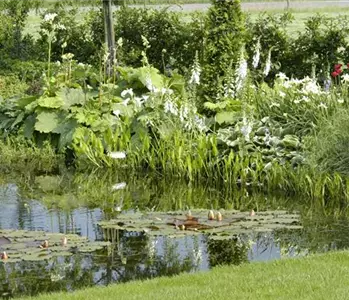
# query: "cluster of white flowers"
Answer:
x=67 y=56
x=310 y=86
x=307 y=86
x=50 y=17
x=345 y=78
x=170 y=107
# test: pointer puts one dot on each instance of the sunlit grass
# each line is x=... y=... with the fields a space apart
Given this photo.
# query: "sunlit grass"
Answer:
x=312 y=278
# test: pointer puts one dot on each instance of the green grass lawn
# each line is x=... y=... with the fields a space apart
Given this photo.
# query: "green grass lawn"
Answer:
x=317 y=277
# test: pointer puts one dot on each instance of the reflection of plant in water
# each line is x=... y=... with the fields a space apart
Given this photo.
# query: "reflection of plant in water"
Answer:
x=39 y=277
x=230 y=251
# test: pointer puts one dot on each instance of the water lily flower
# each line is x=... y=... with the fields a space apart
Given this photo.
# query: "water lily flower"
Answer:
x=117 y=155
x=211 y=215
x=3 y=256
x=64 y=241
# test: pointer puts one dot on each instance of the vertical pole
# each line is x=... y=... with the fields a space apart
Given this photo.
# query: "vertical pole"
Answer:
x=109 y=34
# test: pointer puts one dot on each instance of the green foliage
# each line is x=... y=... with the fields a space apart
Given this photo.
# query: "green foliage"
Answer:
x=328 y=149
x=172 y=42
x=271 y=32
x=18 y=155
x=224 y=37
x=320 y=46
x=11 y=86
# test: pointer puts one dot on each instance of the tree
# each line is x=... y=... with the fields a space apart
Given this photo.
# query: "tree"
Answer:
x=109 y=34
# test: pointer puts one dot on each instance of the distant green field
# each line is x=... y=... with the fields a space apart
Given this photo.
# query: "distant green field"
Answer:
x=300 y=15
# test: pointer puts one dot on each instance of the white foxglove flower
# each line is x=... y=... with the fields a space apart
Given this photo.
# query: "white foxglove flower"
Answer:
x=257 y=55
x=267 y=64
x=241 y=72
x=229 y=87
x=195 y=71
x=117 y=155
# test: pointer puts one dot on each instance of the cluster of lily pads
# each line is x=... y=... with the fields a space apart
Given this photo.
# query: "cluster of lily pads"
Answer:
x=176 y=223
x=22 y=245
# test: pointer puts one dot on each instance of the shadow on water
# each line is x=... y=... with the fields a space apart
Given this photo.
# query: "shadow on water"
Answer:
x=75 y=203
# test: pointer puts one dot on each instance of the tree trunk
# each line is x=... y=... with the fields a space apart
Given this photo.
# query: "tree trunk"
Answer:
x=109 y=35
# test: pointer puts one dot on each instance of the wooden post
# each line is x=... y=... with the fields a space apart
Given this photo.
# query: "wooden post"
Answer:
x=109 y=34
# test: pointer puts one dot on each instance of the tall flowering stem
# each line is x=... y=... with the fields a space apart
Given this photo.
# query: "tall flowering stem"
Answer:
x=257 y=55
x=241 y=71
x=195 y=71
x=267 y=64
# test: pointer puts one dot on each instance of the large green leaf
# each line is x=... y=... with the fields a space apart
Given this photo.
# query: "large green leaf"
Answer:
x=225 y=117
x=50 y=102
x=66 y=129
x=147 y=75
x=23 y=102
x=71 y=97
x=29 y=126
x=46 y=122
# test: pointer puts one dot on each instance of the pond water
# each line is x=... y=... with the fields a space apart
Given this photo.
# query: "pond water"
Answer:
x=136 y=255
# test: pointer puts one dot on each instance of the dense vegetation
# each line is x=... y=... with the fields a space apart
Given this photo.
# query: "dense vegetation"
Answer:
x=181 y=102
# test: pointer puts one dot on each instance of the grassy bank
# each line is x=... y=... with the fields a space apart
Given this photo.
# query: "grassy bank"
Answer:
x=318 y=277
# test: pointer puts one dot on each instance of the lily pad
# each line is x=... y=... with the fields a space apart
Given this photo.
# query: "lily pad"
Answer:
x=31 y=245
x=178 y=223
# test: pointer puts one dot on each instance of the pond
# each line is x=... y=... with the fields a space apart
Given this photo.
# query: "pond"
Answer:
x=75 y=205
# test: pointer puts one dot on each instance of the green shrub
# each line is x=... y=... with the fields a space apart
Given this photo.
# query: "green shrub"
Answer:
x=11 y=86
x=271 y=32
x=321 y=45
x=224 y=38
x=69 y=36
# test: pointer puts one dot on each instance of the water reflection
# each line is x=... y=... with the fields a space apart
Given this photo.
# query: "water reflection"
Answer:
x=78 y=206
